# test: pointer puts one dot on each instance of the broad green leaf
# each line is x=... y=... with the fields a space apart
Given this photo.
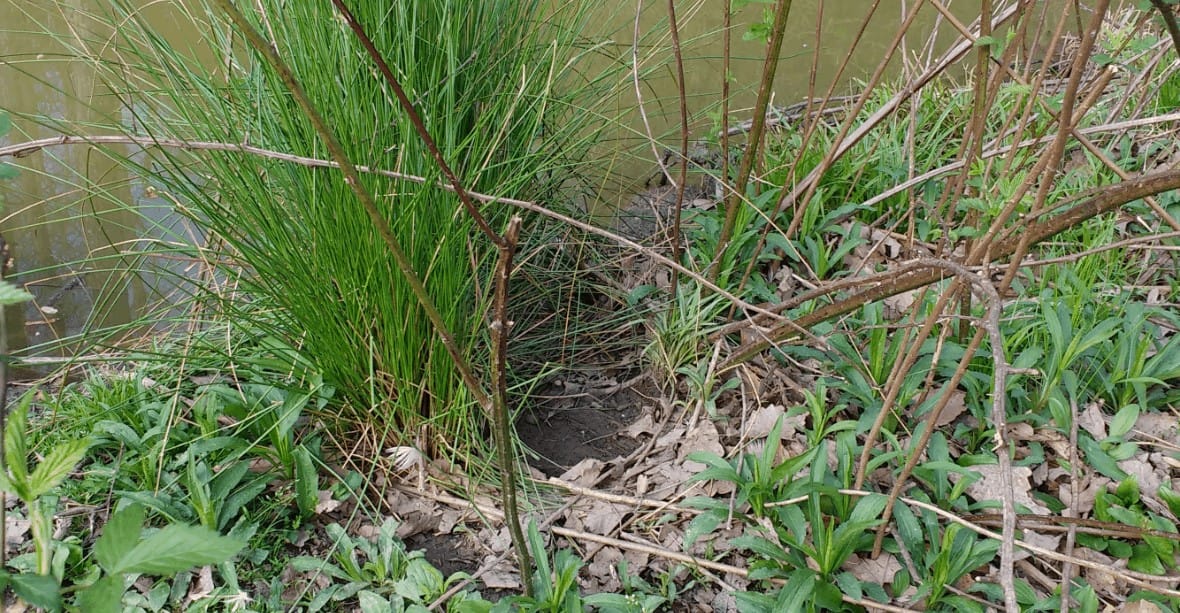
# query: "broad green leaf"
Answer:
x=106 y=594
x=768 y=549
x=610 y=602
x=471 y=605
x=1099 y=459
x=16 y=452
x=849 y=584
x=1170 y=498
x=702 y=524
x=57 y=466
x=38 y=590
x=827 y=597
x=1124 y=420
x=307 y=482
x=1098 y=334
x=227 y=479
x=541 y=560
x=1119 y=549
x=753 y=602
x=1123 y=451
x=161 y=503
x=197 y=482
x=908 y=529
x=119 y=536
x=868 y=508
x=798 y=590
x=232 y=505
x=1144 y=560
x=7 y=485
x=421 y=582
x=370 y=602
x=9 y=293
x=1128 y=491
x=176 y=548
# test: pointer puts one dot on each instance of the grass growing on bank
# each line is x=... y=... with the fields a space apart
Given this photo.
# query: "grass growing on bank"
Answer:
x=292 y=251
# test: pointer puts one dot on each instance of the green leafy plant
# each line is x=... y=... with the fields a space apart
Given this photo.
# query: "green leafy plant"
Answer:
x=266 y=414
x=378 y=574
x=677 y=336
x=807 y=549
x=218 y=498
x=1155 y=554
x=121 y=551
x=760 y=478
x=124 y=549
x=31 y=485
x=555 y=587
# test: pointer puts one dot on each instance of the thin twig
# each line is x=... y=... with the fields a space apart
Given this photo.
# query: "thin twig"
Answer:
x=30 y=147
x=754 y=142
x=501 y=327
x=1165 y=10
x=1074 y=500
x=683 y=177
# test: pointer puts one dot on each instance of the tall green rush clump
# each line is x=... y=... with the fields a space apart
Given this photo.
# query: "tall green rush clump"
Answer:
x=486 y=78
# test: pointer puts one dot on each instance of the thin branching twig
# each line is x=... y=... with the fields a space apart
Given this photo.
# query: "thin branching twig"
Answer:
x=733 y=200
x=682 y=178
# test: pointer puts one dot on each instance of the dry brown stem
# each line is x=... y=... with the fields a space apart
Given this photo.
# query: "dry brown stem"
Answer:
x=912 y=275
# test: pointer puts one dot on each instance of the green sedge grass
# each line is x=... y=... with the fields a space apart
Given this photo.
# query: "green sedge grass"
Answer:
x=499 y=88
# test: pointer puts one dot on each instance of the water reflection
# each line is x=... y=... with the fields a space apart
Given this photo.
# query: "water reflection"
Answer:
x=67 y=216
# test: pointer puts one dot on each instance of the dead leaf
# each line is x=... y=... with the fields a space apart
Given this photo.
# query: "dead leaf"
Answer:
x=500 y=578
x=605 y=517
x=898 y=304
x=1086 y=496
x=1140 y=606
x=15 y=530
x=1044 y=541
x=956 y=405
x=763 y=419
x=1143 y=472
x=644 y=426
x=584 y=473
x=1158 y=426
x=1102 y=581
x=368 y=531
x=670 y=438
x=703 y=437
x=879 y=571
x=989 y=487
x=1091 y=420
x=325 y=502
x=203 y=586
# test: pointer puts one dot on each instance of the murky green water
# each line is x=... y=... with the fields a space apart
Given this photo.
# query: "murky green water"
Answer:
x=57 y=230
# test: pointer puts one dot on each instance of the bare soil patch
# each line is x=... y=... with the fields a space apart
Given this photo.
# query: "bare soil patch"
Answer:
x=579 y=417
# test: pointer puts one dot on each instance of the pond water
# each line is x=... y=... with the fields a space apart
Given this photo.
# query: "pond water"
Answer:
x=67 y=240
